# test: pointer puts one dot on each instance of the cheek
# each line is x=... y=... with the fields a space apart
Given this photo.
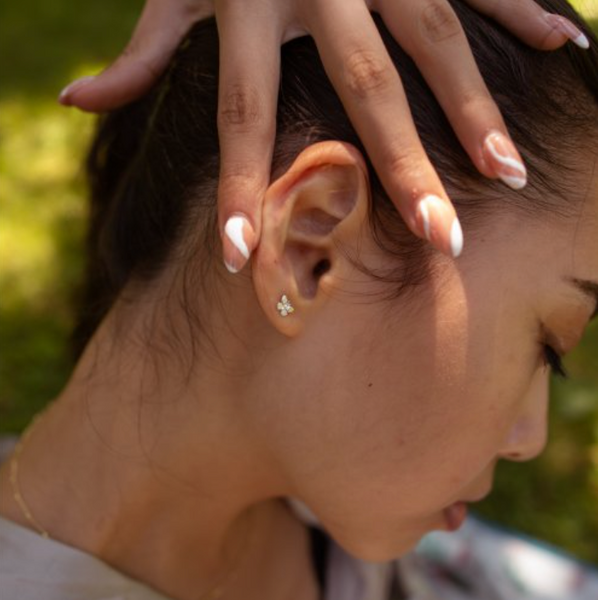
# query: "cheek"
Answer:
x=430 y=406
x=404 y=418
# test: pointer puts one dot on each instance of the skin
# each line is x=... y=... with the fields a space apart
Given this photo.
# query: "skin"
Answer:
x=251 y=32
x=407 y=408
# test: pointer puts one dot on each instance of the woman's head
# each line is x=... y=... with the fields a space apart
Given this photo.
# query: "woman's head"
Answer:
x=402 y=376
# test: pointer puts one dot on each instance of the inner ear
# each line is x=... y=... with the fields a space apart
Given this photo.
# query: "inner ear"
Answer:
x=337 y=198
x=308 y=263
x=321 y=268
x=313 y=221
x=323 y=203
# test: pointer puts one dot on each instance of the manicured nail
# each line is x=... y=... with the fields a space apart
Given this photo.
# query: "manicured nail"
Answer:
x=440 y=225
x=456 y=238
x=502 y=156
x=568 y=29
x=231 y=268
x=237 y=243
x=72 y=87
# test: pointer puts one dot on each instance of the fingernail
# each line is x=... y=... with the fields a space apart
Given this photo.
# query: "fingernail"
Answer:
x=456 y=238
x=440 y=225
x=568 y=29
x=63 y=98
x=237 y=243
x=502 y=156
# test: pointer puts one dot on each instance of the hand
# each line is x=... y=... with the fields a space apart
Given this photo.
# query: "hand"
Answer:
x=251 y=32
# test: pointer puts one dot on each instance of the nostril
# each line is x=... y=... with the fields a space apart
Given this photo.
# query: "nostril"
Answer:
x=514 y=456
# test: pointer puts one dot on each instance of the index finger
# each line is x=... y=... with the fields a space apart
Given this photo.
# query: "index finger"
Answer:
x=247 y=101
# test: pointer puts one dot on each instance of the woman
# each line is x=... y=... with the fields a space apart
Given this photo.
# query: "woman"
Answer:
x=352 y=368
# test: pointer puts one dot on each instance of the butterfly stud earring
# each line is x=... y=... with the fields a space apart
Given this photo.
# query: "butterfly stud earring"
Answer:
x=284 y=307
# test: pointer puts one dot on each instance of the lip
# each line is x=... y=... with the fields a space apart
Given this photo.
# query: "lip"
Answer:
x=454 y=516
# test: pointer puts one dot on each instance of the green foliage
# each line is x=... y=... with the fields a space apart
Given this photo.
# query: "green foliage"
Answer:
x=47 y=43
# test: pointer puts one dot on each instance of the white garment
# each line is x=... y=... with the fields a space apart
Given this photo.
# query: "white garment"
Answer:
x=37 y=568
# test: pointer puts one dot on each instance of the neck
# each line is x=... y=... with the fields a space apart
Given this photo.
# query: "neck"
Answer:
x=162 y=479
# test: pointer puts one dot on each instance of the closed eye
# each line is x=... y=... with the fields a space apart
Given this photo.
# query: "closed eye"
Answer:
x=553 y=360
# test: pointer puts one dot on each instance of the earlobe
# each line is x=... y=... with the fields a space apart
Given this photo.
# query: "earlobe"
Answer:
x=312 y=215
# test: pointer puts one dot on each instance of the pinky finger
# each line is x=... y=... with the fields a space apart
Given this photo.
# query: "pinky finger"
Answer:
x=162 y=26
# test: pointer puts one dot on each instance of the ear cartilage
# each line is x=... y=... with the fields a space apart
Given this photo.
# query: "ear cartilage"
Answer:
x=284 y=307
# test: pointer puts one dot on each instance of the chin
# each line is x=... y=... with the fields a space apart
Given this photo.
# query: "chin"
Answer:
x=380 y=549
x=366 y=540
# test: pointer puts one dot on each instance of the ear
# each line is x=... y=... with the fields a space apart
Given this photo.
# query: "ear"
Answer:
x=312 y=215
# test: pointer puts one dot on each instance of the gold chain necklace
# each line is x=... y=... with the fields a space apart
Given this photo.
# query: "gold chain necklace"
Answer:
x=14 y=478
x=216 y=592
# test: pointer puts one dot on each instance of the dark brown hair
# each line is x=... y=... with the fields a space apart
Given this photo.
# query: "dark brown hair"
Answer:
x=153 y=165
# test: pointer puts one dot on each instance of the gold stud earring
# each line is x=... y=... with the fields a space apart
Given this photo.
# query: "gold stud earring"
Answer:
x=284 y=307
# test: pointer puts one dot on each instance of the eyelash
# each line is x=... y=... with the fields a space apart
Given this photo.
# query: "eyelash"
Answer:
x=554 y=361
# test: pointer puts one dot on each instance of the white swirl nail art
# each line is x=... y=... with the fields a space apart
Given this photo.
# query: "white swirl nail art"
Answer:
x=515 y=173
x=456 y=238
x=425 y=214
x=230 y=268
x=568 y=29
x=438 y=221
x=234 y=232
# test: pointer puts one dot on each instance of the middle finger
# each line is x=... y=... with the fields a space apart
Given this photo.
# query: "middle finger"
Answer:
x=370 y=88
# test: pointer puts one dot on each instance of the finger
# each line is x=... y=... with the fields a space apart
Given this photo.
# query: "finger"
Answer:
x=247 y=101
x=160 y=29
x=369 y=86
x=531 y=23
x=437 y=43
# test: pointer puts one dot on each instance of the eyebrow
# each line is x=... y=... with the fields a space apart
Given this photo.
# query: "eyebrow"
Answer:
x=589 y=289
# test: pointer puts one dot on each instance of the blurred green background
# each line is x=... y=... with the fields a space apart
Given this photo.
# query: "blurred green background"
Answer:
x=44 y=45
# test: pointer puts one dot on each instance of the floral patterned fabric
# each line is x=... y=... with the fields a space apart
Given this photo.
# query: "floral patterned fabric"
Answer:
x=478 y=562
x=483 y=562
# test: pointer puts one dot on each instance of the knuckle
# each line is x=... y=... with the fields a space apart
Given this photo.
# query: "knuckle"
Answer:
x=476 y=102
x=151 y=68
x=240 y=176
x=239 y=109
x=366 y=73
x=438 y=22
x=192 y=10
x=135 y=53
x=404 y=162
x=131 y=49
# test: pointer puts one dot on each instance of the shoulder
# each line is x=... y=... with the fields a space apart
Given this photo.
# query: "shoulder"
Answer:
x=36 y=568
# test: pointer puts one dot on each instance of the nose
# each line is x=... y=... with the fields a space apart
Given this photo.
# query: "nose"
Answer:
x=528 y=436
